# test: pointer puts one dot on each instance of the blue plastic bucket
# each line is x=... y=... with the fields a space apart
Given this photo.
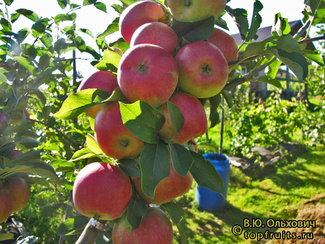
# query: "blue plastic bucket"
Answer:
x=209 y=200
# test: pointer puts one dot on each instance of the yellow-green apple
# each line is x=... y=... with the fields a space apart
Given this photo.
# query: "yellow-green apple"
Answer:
x=149 y=73
x=3 y=122
x=19 y=191
x=6 y=204
x=203 y=69
x=167 y=189
x=102 y=191
x=157 y=33
x=138 y=14
x=155 y=228
x=112 y=136
x=195 y=119
x=103 y=80
x=195 y=10
x=226 y=43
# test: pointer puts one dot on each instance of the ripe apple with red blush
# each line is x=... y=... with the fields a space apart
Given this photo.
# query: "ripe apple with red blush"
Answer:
x=195 y=10
x=226 y=43
x=103 y=80
x=203 y=69
x=112 y=136
x=155 y=228
x=138 y=14
x=6 y=204
x=102 y=191
x=157 y=33
x=19 y=191
x=149 y=73
x=195 y=119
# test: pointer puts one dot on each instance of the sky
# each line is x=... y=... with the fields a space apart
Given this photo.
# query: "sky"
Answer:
x=97 y=21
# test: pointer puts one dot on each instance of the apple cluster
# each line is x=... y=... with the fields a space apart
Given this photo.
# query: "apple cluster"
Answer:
x=157 y=68
x=14 y=194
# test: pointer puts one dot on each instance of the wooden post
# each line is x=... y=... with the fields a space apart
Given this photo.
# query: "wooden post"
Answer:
x=221 y=125
x=91 y=232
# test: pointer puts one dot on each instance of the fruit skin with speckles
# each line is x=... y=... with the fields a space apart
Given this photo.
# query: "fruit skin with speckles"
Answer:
x=138 y=14
x=226 y=43
x=156 y=33
x=191 y=108
x=112 y=136
x=154 y=228
x=203 y=69
x=149 y=73
x=102 y=191
x=103 y=80
x=195 y=10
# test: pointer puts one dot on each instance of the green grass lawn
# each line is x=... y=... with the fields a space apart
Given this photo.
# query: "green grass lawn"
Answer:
x=278 y=192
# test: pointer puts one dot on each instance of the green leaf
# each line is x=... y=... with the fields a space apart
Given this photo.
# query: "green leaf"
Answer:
x=111 y=28
x=214 y=118
x=181 y=159
x=111 y=59
x=175 y=211
x=6 y=236
x=117 y=95
x=36 y=168
x=87 y=31
x=136 y=210
x=26 y=63
x=93 y=146
x=8 y=2
x=62 y=3
x=143 y=120
x=28 y=14
x=40 y=25
x=206 y=175
x=88 y=2
x=256 y=21
x=6 y=25
x=79 y=102
x=283 y=25
x=28 y=142
x=155 y=166
x=194 y=31
x=130 y=167
x=229 y=98
x=240 y=16
x=83 y=154
x=314 y=56
x=64 y=17
x=176 y=116
x=271 y=81
x=214 y=115
x=101 y=6
x=72 y=226
x=47 y=40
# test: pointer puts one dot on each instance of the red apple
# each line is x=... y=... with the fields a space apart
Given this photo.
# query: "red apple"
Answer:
x=101 y=190
x=19 y=191
x=195 y=120
x=104 y=80
x=6 y=204
x=157 y=33
x=203 y=69
x=15 y=153
x=195 y=10
x=226 y=43
x=155 y=228
x=112 y=136
x=3 y=122
x=167 y=189
x=149 y=73
x=138 y=14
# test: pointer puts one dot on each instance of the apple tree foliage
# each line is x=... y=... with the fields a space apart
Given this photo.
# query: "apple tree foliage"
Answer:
x=38 y=72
